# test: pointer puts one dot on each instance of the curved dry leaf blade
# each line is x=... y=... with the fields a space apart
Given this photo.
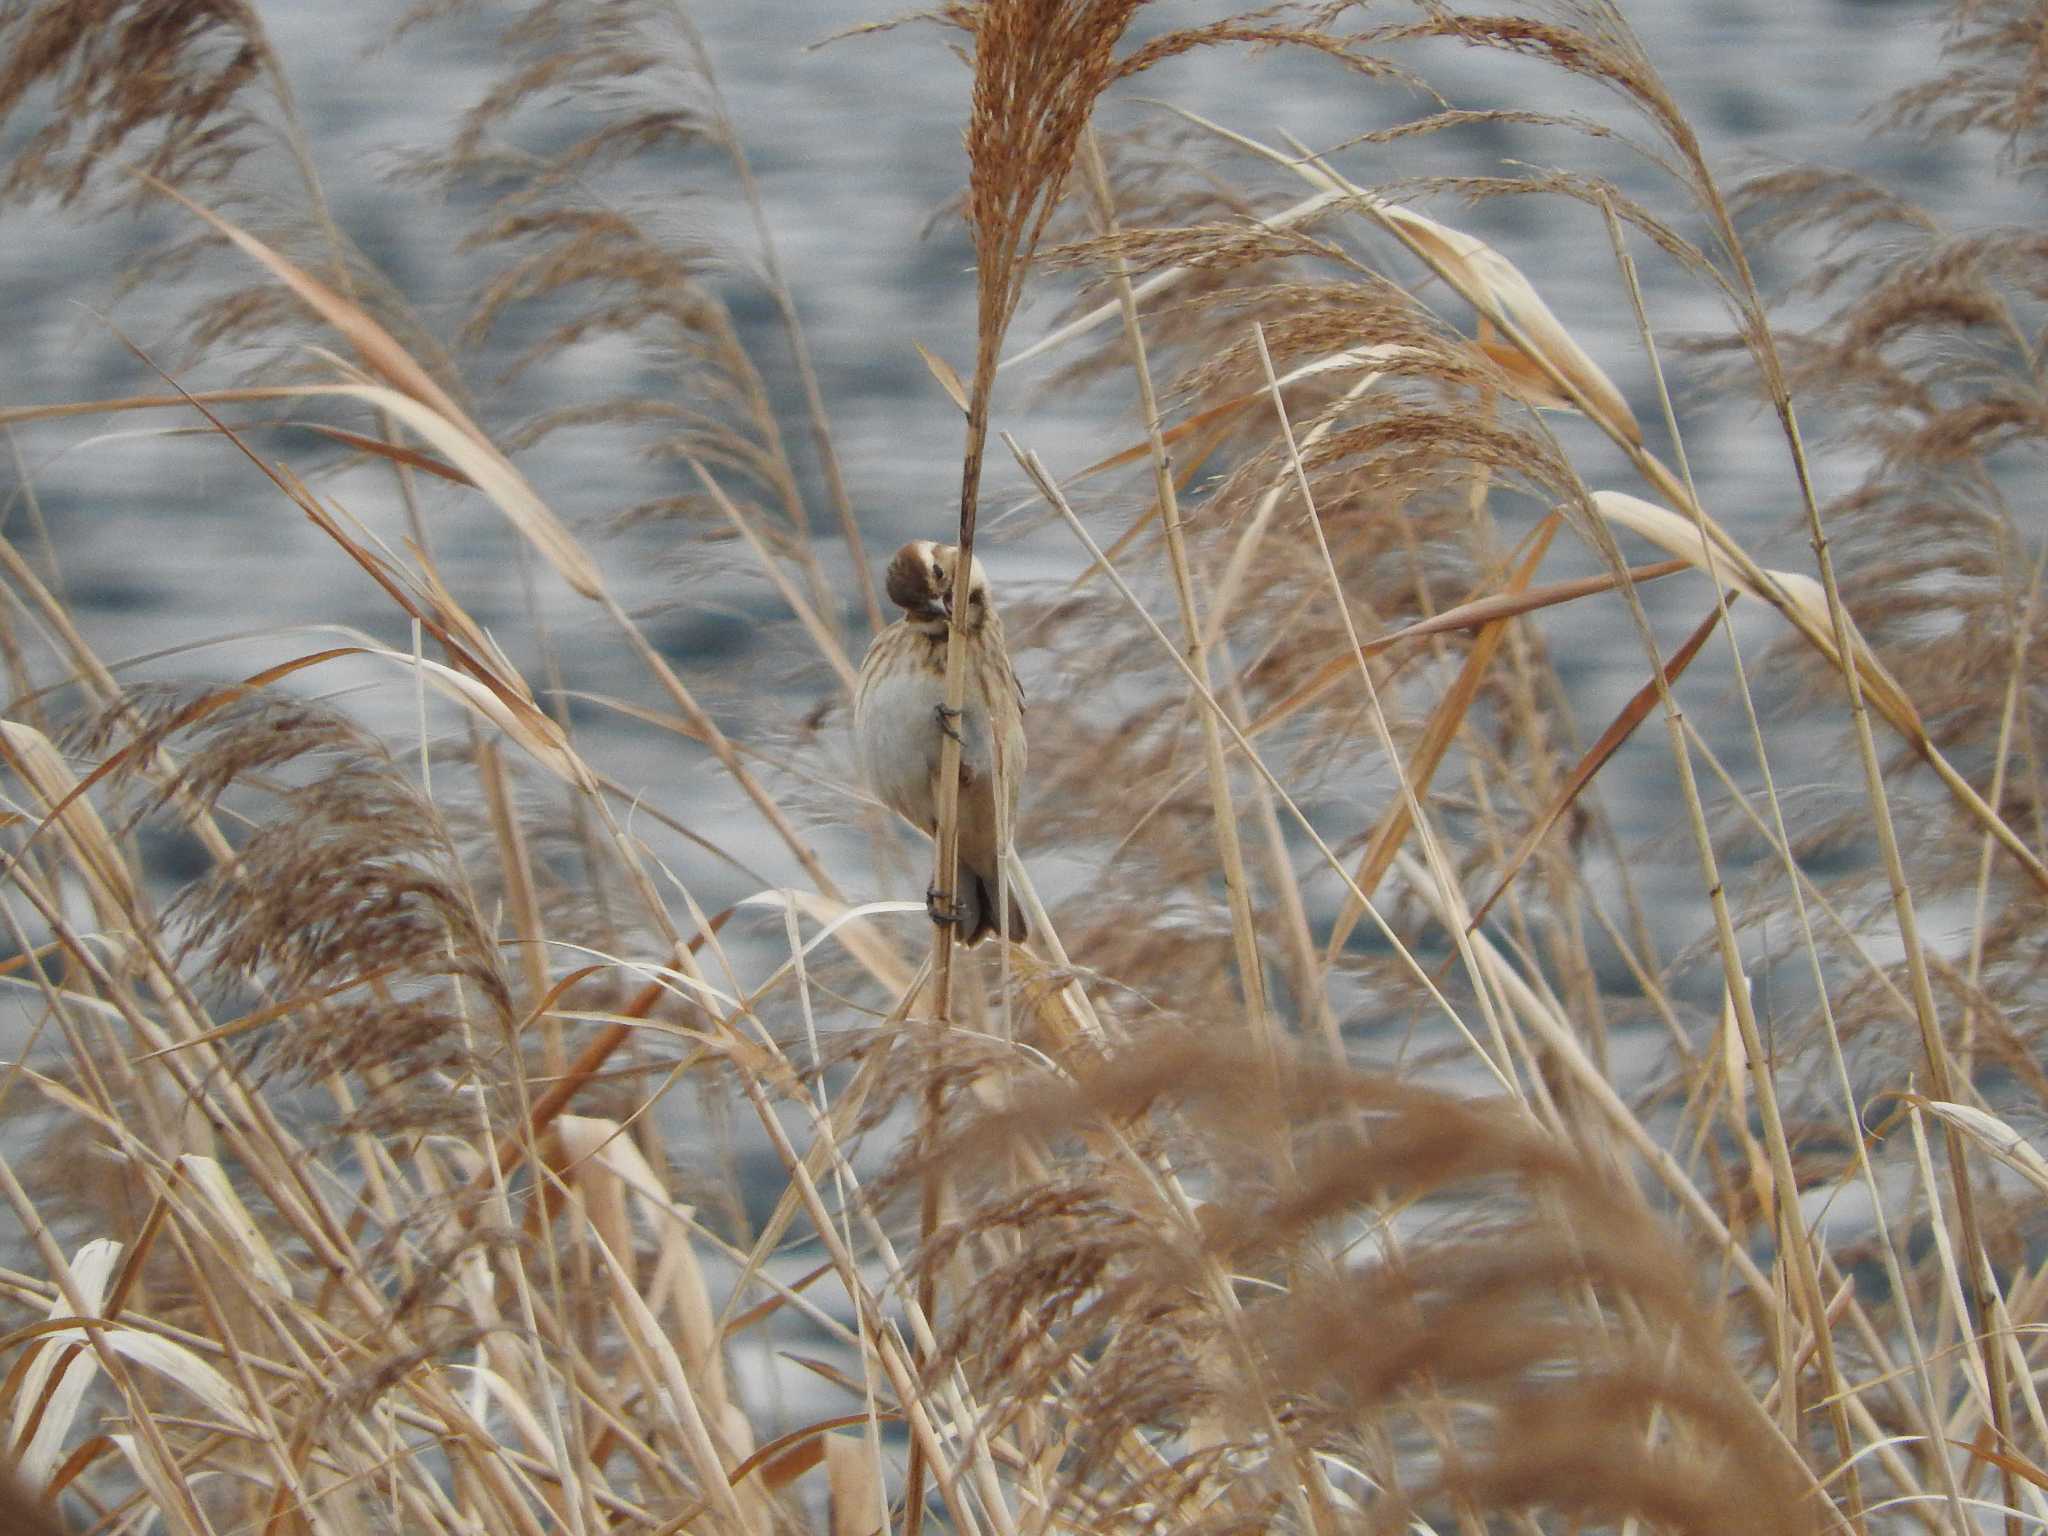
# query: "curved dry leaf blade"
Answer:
x=1680 y=536
x=1495 y=287
x=392 y=581
x=1995 y=1137
x=1618 y=731
x=1437 y=736
x=1528 y=383
x=376 y=346
x=36 y=763
x=490 y=472
x=807 y=1448
x=452 y=625
x=82 y=1456
x=1803 y=602
x=1487 y=280
x=836 y=919
x=180 y=1366
x=50 y=1381
x=521 y=721
x=1498 y=290
x=825 y=1369
x=2011 y=1462
x=947 y=375
x=474 y=458
x=1475 y=614
x=210 y=1180
x=411 y=458
x=21 y=415
x=64 y=1367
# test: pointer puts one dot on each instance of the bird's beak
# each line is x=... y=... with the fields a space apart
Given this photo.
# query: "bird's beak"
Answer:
x=937 y=607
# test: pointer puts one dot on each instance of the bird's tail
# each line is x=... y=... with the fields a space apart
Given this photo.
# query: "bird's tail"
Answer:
x=981 y=893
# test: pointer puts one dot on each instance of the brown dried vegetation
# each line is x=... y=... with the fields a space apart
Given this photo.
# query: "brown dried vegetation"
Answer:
x=1269 y=1189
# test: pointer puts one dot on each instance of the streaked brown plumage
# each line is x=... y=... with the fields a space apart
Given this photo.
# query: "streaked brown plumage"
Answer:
x=896 y=724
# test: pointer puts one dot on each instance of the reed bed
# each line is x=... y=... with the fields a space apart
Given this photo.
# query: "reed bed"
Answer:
x=405 y=1137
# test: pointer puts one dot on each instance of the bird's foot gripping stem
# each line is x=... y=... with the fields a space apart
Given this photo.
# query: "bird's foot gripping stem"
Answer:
x=941 y=910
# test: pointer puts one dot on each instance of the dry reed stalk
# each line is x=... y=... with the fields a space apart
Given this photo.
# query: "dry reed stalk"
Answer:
x=1432 y=847
x=1781 y=840
x=558 y=1442
x=1844 y=652
x=1230 y=856
x=1037 y=73
x=1050 y=491
x=1404 y=1145
x=1764 y=347
x=1495 y=293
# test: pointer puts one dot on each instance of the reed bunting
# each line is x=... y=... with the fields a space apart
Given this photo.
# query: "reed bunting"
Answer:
x=900 y=721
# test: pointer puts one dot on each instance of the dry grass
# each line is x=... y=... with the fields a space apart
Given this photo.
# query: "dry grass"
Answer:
x=1354 y=1149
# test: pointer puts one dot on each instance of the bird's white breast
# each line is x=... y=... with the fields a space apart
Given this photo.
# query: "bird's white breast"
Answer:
x=896 y=727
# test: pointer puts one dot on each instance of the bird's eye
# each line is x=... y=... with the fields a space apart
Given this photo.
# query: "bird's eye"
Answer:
x=938 y=577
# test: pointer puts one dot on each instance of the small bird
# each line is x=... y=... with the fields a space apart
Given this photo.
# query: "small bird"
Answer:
x=900 y=721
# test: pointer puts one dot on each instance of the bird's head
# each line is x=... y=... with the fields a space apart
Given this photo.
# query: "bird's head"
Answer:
x=920 y=582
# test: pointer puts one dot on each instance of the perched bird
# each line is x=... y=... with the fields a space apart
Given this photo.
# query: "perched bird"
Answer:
x=900 y=721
